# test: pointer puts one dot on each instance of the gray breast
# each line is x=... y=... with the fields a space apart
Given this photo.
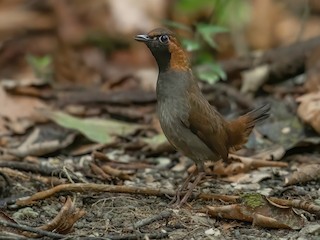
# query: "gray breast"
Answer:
x=181 y=137
x=173 y=109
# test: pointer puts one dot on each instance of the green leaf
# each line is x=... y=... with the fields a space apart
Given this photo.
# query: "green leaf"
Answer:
x=211 y=74
x=207 y=32
x=192 y=5
x=190 y=45
x=232 y=12
x=97 y=130
x=156 y=141
x=39 y=62
x=177 y=25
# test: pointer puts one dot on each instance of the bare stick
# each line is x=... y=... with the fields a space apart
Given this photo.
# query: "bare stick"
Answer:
x=159 y=235
x=31 y=229
x=144 y=222
x=92 y=187
x=297 y=203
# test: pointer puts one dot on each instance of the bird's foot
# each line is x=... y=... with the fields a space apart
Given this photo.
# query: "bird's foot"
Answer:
x=177 y=202
x=176 y=199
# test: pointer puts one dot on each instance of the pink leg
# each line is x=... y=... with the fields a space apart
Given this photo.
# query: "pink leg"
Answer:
x=176 y=199
x=189 y=192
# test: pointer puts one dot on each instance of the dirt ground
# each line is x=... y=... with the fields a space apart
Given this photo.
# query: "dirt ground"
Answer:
x=114 y=215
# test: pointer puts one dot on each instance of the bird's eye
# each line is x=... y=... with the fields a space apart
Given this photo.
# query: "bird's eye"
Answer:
x=163 y=38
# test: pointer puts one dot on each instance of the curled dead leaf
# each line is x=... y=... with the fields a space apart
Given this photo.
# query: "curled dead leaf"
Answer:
x=66 y=218
x=257 y=209
x=19 y=113
x=239 y=165
x=268 y=222
x=5 y=229
x=34 y=147
x=303 y=174
x=309 y=109
x=123 y=175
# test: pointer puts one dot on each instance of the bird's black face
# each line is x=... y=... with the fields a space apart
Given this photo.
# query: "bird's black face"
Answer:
x=156 y=41
x=165 y=48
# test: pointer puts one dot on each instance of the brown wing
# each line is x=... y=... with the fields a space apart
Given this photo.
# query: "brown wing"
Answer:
x=208 y=125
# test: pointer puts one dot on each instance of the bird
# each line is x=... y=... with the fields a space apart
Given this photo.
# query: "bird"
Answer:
x=190 y=124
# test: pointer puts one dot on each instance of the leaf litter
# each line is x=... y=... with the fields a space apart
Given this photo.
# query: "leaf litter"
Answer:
x=110 y=148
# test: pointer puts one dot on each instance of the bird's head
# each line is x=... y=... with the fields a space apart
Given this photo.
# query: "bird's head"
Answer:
x=166 y=49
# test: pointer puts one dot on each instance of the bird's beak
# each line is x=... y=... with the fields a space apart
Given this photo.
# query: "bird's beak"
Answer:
x=142 y=38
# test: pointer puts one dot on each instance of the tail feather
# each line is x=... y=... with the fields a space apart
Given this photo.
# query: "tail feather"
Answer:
x=240 y=128
x=257 y=115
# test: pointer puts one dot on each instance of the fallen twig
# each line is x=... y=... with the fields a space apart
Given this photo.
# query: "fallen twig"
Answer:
x=238 y=165
x=41 y=169
x=162 y=215
x=159 y=235
x=92 y=187
x=115 y=172
x=297 y=203
x=31 y=229
x=282 y=59
x=24 y=177
x=99 y=172
x=31 y=167
x=119 y=165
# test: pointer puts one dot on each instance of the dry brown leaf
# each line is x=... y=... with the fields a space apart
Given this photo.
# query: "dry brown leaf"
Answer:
x=139 y=14
x=229 y=225
x=268 y=222
x=147 y=78
x=288 y=29
x=312 y=82
x=16 y=19
x=62 y=223
x=274 y=153
x=255 y=176
x=19 y=112
x=86 y=149
x=15 y=174
x=33 y=147
x=296 y=203
x=66 y=218
x=3 y=129
x=123 y=175
x=257 y=209
x=238 y=165
x=253 y=79
x=99 y=172
x=70 y=29
x=232 y=211
x=3 y=229
x=303 y=174
x=309 y=109
x=261 y=32
x=17 y=107
x=70 y=66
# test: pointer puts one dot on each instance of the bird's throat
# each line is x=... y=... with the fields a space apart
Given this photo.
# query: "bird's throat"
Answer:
x=173 y=58
x=163 y=60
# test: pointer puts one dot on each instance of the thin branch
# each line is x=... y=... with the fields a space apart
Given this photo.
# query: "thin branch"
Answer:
x=144 y=222
x=159 y=235
x=92 y=187
x=31 y=229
